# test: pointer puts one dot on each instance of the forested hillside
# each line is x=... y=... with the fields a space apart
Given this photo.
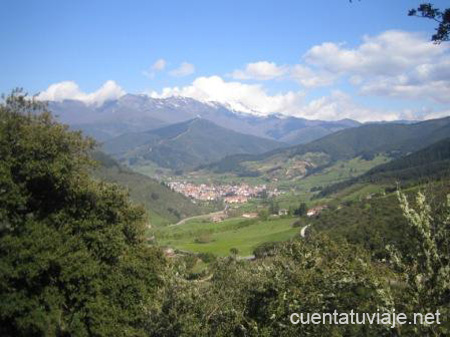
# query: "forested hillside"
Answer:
x=186 y=145
x=162 y=204
x=429 y=164
x=365 y=141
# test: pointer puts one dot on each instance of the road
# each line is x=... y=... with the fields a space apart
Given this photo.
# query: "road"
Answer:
x=303 y=231
x=202 y=216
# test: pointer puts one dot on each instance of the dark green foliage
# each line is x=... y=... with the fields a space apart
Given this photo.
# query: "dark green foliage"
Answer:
x=274 y=207
x=301 y=210
x=372 y=224
x=234 y=251
x=207 y=257
x=298 y=223
x=428 y=11
x=73 y=257
x=157 y=198
x=266 y=249
x=256 y=299
x=429 y=164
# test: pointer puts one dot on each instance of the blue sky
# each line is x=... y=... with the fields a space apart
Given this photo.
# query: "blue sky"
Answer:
x=258 y=56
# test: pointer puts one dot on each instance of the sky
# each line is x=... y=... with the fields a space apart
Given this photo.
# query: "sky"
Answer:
x=365 y=60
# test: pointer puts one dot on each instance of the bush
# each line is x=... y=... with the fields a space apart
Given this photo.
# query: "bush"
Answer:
x=207 y=257
x=203 y=238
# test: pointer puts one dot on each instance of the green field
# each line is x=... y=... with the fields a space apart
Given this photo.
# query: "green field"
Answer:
x=245 y=235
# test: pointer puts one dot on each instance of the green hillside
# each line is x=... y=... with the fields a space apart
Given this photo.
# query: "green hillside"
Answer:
x=393 y=140
x=430 y=163
x=163 y=205
x=186 y=145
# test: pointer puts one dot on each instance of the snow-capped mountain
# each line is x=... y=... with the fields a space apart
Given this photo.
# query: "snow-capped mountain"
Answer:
x=136 y=113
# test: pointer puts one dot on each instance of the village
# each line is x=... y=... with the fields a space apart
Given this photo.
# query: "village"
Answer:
x=230 y=194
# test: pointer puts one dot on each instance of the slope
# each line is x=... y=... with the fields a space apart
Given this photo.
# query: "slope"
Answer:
x=186 y=145
x=394 y=140
x=163 y=205
x=428 y=164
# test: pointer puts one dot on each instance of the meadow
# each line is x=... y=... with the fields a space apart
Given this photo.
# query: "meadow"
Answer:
x=202 y=236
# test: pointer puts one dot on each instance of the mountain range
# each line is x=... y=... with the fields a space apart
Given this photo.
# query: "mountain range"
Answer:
x=139 y=113
x=185 y=145
x=428 y=164
x=366 y=141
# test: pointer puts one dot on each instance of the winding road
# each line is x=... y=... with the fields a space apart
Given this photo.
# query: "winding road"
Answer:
x=201 y=216
x=303 y=231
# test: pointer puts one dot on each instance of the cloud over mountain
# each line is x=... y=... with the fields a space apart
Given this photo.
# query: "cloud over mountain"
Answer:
x=70 y=90
x=251 y=98
x=393 y=64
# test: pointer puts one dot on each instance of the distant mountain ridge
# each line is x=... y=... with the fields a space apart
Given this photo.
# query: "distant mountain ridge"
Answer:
x=186 y=145
x=427 y=164
x=395 y=140
x=138 y=113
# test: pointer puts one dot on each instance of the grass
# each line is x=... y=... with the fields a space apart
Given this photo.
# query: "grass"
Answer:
x=245 y=235
x=300 y=190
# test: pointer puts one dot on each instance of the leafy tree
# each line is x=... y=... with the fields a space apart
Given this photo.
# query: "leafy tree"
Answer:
x=428 y=11
x=301 y=210
x=73 y=256
x=427 y=267
x=256 y=299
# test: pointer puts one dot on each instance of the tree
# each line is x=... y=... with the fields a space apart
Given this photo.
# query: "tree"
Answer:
x=257 y=299
x=427 y=267
x=234 y=251
x=263 y=214
x=274 y=207
x=73 y=256
x=301 y=210
x=428 y=11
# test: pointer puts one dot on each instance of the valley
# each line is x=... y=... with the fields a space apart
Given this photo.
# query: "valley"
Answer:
x=225 y=168
x=254 y=194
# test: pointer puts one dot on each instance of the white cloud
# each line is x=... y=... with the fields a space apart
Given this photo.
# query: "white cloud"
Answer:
x=390 y=53
x=436 y=114
x=310 y=78
x=391 y=64
x=184 y=69
x=339 y=105
x=261 y=70
x=158 y=66
x=251 y=98
x=264 y=71
x=394 y=63
x=70 y=90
